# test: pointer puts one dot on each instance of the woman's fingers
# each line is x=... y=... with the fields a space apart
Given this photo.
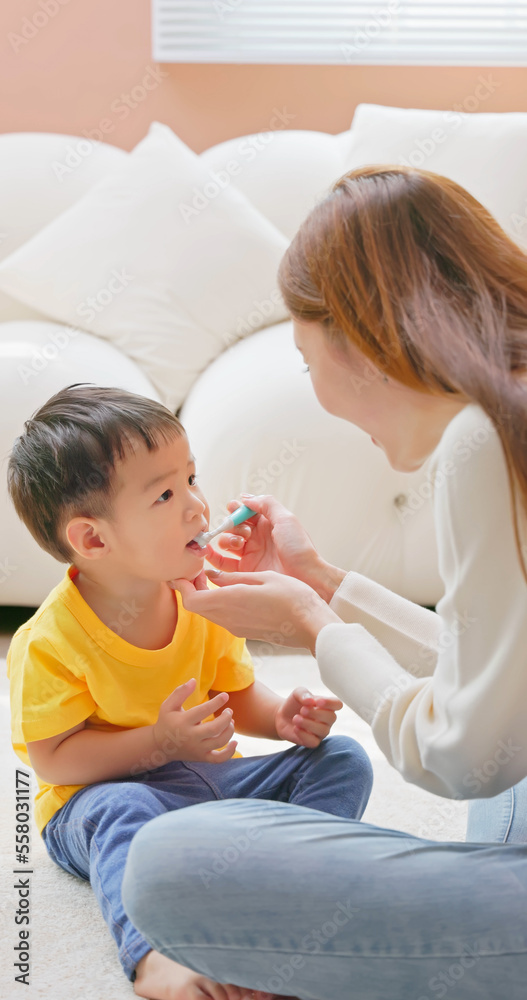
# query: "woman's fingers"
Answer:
x=204 y=600
x=245 y=525
x=234 y=504
x=186 y=589
x=200 y=581
x=227 y=580
x=232 y=541
x=254 y=602
x=224 y=563
x=267 y=505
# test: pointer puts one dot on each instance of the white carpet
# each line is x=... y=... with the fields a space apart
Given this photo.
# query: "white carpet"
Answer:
x=72 y=952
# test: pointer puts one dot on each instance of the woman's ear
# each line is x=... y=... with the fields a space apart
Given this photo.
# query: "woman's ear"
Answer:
x=86 y=538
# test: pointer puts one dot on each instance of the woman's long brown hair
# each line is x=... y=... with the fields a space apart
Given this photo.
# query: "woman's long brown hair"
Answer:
x=413 y=271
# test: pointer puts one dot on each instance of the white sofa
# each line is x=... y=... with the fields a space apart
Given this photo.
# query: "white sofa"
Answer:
x=252 y=417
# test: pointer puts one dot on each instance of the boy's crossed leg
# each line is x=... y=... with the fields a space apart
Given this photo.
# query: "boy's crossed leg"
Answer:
x=91 y=835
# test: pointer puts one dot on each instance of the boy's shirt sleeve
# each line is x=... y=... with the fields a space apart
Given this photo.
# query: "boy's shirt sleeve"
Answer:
x=47 y=697
x=235 y=669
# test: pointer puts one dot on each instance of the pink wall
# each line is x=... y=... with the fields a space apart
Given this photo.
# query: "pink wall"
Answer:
x=84 y=58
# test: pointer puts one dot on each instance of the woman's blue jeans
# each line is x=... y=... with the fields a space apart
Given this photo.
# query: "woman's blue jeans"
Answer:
x=91 y=835
x=501 y=820
x=325 y=908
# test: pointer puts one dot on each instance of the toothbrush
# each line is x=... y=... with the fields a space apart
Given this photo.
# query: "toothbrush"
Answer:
x=237 y=517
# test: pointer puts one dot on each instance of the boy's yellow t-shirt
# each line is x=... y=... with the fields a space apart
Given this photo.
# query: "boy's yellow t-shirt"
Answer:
x=65 y=666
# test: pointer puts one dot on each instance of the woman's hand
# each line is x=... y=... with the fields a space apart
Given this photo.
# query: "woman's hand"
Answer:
x=304 y=719
x=267 y=606
x=274 y=540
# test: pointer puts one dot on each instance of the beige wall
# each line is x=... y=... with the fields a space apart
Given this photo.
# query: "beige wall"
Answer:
x=85 y=59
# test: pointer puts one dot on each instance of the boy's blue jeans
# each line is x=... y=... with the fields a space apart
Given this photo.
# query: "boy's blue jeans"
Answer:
x=91 y=835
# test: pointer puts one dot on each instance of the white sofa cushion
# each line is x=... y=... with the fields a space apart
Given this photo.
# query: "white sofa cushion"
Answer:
x=41 y=175
x=157 y=260
x=485 y=152
x=282 y=173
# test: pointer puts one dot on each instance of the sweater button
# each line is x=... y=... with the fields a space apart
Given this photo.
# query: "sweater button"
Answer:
x=400 y=499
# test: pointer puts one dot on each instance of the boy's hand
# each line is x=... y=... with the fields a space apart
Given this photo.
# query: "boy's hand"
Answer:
x=180 y=734
x=305 y=719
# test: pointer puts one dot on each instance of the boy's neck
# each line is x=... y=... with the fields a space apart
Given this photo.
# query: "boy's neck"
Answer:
x=143 y=613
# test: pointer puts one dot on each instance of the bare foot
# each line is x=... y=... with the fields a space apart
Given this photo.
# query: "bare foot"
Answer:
x=258 y=995
x=159 y=978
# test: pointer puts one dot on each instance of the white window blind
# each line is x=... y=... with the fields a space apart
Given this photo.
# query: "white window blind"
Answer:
x=451 y=33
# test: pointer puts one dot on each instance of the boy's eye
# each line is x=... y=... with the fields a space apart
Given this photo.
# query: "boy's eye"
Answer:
x=306 y=369
x=193 y=476
x=164 y=496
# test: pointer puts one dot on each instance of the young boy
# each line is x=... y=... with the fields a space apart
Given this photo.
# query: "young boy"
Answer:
x=118 y=693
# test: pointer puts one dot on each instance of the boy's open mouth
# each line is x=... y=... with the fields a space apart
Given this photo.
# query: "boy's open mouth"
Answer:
x=194 y=547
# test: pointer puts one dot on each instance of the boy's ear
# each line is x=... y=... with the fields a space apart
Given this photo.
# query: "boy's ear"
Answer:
x=85 y=536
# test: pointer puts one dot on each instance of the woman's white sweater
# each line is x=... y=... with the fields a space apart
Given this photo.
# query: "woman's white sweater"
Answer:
x=445 y=691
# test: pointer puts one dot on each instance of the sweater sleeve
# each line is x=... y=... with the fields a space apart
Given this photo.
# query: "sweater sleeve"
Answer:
x=460 y=731
x=408 y=631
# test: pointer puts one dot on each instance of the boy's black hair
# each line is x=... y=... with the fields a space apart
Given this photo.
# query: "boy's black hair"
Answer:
x=63 y=464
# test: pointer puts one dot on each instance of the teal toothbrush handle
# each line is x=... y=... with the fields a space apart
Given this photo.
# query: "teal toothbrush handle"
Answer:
x=238 y=516
x=241 y=514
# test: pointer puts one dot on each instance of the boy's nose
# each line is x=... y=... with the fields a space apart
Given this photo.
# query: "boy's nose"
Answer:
x=198 y=506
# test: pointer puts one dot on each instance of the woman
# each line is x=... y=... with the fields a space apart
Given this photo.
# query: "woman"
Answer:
x=401 y=273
